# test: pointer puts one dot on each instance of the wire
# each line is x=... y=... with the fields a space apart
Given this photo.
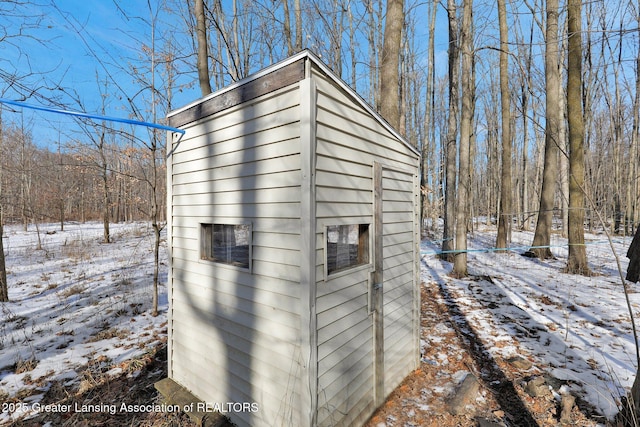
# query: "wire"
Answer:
x=91 y=116
x=512 y=248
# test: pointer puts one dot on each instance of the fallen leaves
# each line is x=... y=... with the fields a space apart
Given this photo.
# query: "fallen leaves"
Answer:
x=421 y=399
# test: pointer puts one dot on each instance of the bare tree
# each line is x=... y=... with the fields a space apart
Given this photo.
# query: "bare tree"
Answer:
x=633 y=189
x=286 y=27
x=154 y=146
x=525 y=61
x=374 y=19
x=542 y=235
x=577 y=261
x=4 y=288
x=505 y=217
x=234 y=41
x=297 y=12
x=466 y=120
x=428 y=176
x=293 y=39
x=151 y=147
x=448 y=244
x=98 y=133
x=389 y=63
x=21 y=23
x=202 y=43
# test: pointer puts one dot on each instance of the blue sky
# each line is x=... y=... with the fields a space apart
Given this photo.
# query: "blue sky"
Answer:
x=52 y=48
x=58 y=56
x=56 y=50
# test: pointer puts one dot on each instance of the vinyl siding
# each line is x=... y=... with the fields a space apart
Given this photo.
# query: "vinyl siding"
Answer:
x=399 y=276
x=284 y=333
x=344 y=195
x=349 y=140
x=236 y=333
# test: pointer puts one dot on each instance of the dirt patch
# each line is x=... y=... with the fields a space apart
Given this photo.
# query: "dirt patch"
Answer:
x=450 y=351
x=101 y=403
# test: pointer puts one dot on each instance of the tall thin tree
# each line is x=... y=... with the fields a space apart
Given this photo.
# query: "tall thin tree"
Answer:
x=428 y=145
x=448 y=243
x=505 y=217
x=542 y=235
x=632 y=207
x=390 y=63
x=466 y=119
x=4 y=288
x=577 y=261
x=202 y=45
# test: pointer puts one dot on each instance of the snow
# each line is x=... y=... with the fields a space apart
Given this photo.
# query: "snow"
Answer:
x=576 y=329
x=78 y=304
x=75 y=301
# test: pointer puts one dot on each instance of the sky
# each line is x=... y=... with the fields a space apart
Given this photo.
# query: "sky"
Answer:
x=56 y=58
x=61 y=40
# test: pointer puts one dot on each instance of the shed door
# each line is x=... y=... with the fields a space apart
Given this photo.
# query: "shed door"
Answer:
x=393 y=278
x=377 y=290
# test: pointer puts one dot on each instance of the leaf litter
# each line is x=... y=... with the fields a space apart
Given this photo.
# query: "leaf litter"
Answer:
x=78 y=329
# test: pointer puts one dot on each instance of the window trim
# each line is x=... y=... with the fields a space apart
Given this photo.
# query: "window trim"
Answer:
x=205 y=245
x=363 y=238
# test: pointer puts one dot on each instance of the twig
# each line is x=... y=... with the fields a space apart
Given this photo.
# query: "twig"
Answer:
x=625 y=286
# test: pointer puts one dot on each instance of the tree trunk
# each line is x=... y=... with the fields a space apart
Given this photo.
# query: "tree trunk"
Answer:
x=525 y=90
x=389 y=65
x=203 y=55
x=297 y=12
x=632 y=192
x=577 y=262
x=542 y=235
x=105 y=205
x=105 y=190
x=466 y=119
x=633 y=253
x=286 y=27
x=153 y=149
x=4 y=288
x=155 y=213
x=505 y=217
x=452 y=131
x=564 y=166
x=428 y=144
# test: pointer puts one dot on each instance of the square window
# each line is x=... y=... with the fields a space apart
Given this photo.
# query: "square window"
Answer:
x=227 y=244
x=347 y=246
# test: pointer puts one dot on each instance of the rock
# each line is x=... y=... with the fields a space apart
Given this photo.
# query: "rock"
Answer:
x=520 y=362
x=554 y=382
x=464 y=395
x=537 y=387
x=567 y=406
x=484 y=422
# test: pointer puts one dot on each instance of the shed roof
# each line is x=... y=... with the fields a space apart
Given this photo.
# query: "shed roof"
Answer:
x=269 y=79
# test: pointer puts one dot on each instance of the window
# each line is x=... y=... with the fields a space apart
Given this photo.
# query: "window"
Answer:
x=347 y=246
x=227 y=243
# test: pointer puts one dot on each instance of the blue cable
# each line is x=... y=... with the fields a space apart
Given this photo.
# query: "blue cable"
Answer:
x=424 y=252
x=92 y=116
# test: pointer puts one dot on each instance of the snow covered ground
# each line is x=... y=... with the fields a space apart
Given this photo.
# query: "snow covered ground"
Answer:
x=75 y=303
x=78 y=302
x=575 y=329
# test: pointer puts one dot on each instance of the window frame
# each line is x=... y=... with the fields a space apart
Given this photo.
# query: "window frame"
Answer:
x=363 y=256
x=206 y=245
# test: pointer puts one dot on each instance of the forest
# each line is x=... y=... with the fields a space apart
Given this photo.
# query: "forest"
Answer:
x=526 y=112
x=476 y=84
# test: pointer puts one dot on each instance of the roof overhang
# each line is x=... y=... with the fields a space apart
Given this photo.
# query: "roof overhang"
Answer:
x=269 y=79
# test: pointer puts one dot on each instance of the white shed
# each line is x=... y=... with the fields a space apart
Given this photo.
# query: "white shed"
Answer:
x=294 y=242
